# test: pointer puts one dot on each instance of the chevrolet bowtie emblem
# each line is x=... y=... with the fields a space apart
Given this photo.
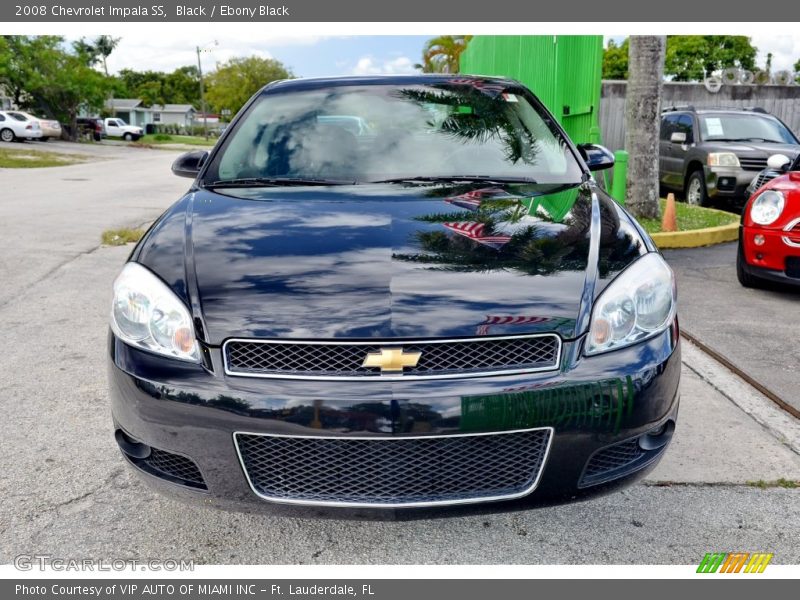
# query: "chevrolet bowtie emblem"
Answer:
x=392 y=360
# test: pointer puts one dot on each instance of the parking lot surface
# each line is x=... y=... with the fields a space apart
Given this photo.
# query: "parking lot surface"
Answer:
x=66 y=490
x=758 y=330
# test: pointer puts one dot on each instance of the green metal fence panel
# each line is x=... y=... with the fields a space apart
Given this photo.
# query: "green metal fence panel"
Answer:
x=563 y=71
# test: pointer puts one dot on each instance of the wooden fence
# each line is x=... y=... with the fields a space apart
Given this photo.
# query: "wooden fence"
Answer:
x=783 y=101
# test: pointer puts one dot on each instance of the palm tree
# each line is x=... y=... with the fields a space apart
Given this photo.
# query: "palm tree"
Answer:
x=442 y=54
x=104 y=45
x=642 y=121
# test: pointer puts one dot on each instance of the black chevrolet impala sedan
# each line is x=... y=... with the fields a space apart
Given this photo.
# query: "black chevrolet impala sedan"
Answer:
x=393 y=292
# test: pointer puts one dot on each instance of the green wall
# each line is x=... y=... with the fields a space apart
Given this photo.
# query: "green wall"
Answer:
x=564 y=71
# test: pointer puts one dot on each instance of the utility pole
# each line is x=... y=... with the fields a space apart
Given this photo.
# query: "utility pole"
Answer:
x=202 y=95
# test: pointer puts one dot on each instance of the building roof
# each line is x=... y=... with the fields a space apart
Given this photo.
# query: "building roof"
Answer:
x=173 y=108
x=136 y=104
x=123 y=103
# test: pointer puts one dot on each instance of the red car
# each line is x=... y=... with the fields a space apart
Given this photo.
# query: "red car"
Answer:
x=769 y=236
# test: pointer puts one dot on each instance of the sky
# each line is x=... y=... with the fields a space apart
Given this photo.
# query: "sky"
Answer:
x=313 y=56
x=306 y=56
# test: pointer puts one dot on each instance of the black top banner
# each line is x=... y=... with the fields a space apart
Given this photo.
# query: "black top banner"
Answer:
x=536 y=11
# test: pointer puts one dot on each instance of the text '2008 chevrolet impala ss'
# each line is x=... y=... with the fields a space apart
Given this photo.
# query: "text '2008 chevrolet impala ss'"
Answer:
x=394 y=292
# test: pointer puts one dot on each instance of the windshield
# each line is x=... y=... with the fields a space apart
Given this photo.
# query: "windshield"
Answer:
x=745 y=128
x=379 y=132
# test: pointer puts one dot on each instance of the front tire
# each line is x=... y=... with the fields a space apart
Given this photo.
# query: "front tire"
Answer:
x=745 y=278
x=696 y=193
x=7 y=135
x=128 y=137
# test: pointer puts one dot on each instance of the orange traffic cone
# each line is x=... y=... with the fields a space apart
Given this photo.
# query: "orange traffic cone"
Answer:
x=670 y=220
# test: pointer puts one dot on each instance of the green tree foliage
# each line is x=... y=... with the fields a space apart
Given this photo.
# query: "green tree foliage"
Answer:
x=234 y=82
x=615 y=60
x=694 y=57
x=154 y=87
x=442 y=54
x=689 y=57
x=44 y=75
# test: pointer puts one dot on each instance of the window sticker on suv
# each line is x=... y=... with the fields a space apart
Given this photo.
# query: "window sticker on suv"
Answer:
x=714 y=126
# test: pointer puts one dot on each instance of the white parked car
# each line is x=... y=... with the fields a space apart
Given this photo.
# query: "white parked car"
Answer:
x=15 y=126
x=50 y=128
x=117 y=127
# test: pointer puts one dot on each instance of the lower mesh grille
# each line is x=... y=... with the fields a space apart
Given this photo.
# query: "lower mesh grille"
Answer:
x=793 y=267
x=614 y=457
x=617 y=461
x=173 y=466
x=394 y=471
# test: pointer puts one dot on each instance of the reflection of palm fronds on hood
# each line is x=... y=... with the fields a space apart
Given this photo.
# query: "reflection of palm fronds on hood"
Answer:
x=528 y=251
x=489 y=213
x=488 y=118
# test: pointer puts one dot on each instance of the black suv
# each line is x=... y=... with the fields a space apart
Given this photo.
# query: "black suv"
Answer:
x=714 y=153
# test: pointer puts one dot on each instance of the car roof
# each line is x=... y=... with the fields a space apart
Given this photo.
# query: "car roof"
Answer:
x=712 y=110
x=311 y=83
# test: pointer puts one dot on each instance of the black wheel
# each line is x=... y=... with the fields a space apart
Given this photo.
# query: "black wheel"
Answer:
x=746 y=279
x=7 y=135
x=127 y=137
x=696 y=189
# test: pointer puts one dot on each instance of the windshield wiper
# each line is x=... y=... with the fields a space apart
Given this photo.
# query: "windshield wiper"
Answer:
x=274 y=182
x=758 y=139
x=750 y=139
x=457 y=178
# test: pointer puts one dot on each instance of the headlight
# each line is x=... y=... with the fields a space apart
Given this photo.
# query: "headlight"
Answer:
x=722 y=159
x=767 y=207
x=145 y=313
x=636 y=305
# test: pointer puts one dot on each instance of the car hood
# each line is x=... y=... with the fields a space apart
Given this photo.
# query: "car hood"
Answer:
x=753 y=149
x=393 y=260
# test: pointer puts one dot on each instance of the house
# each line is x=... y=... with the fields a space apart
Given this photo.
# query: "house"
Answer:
x=173 y=114
x=132 y=111
x=129 y=110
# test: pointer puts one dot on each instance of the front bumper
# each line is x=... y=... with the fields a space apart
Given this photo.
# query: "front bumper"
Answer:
x=777 y=259
x=728 y=182
x=589 y=404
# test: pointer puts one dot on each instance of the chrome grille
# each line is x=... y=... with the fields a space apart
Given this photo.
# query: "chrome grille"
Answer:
x=753 y=164
x=439 y=358
x=763 y=178
x=399 y=471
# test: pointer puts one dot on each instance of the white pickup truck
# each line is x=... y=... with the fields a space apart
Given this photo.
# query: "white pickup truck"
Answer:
x=117 y=127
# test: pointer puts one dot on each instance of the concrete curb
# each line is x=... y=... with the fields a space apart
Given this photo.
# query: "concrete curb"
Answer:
x=698 y=237
x=781 y=425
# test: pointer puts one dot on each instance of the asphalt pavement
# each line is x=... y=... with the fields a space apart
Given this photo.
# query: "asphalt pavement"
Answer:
x=757 y=330
x=67 y=492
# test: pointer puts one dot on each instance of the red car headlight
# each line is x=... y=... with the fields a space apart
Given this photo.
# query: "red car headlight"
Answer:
x=767 y=207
